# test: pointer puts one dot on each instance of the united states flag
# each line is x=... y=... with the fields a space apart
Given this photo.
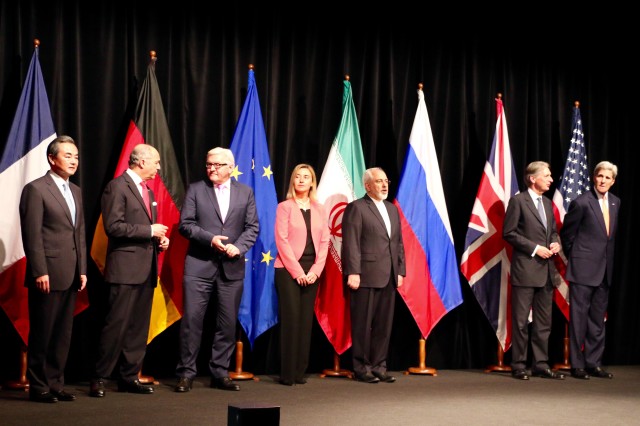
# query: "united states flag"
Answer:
x=486 y=260
x=574 y=182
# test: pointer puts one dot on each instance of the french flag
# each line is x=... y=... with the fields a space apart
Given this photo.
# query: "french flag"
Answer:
x=431 y=287
x=23 y=160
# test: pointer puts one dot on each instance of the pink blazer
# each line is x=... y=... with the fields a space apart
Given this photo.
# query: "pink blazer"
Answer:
x=291 y=237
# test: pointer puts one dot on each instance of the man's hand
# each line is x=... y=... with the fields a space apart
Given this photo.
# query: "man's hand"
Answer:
x=42 y=283
x=217 y=242
x=163 y=244
x=159 y=230
x=83 y=282
x=353 y=281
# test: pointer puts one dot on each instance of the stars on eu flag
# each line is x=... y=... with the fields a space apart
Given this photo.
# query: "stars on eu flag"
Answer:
x=266 y=257
x=235 y=172
x=267 y=172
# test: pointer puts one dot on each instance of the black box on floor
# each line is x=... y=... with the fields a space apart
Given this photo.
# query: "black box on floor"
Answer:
x=249 y=414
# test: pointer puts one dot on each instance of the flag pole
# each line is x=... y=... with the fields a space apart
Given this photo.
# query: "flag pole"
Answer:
x=238 y=374
x=565 y=364
x=336 y=371
x=22 y=383
x=499 y=367
x=141 y=377
x=422 y=355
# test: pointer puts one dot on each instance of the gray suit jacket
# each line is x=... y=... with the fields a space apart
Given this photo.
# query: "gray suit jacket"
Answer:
x=523 y=229
x=53 y=246
x=132 y=251
x=366 y=247
x=200 y=220
x=589 y=250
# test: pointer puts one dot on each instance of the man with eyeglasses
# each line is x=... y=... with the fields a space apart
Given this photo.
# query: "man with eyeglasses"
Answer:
x=373 y=264
x=220 y=220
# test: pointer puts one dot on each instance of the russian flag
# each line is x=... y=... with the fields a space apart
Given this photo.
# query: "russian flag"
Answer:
x=432 y=285
x=24 y=159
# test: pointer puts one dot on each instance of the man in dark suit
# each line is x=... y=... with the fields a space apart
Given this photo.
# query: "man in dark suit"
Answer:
x=530 y=228
x=53 y=236
x=588 y=239
x=220 y=219
x=374 y=266
x=131 y=271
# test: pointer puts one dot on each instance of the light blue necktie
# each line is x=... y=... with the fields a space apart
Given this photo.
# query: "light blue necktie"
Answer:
x=69 y=198
x=541 y=212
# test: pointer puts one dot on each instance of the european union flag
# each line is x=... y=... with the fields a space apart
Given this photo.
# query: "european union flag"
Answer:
x=259 y=305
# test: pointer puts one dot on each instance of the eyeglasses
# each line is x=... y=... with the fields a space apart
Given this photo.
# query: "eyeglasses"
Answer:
x=216 y=165
x=380 y=181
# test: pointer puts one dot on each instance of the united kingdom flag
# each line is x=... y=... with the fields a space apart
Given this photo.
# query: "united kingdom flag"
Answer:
x=486 y=260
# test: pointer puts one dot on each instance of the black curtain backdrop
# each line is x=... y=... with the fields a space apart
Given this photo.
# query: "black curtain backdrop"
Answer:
x=94 y=55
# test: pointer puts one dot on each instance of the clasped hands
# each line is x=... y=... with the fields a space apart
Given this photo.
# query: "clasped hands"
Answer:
x=546 y=253
x=160 y=233
x=305 y=280
x=229 y=249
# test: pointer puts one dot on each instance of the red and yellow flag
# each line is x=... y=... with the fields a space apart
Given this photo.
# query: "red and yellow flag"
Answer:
x=149 y=126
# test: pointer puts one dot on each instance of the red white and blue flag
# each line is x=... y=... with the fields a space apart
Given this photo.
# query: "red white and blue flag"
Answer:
x=574 y=182
x=23 y=160
x=431 y=287
x=486 y=260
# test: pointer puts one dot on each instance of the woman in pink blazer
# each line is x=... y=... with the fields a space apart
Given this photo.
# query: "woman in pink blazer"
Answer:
x=302 y=238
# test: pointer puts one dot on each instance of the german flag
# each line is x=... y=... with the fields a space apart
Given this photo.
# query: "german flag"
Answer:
x=149 y=126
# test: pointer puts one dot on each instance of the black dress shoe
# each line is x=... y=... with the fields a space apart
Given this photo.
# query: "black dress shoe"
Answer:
x=184 y=384
x=285 y=382
x=367 y=378
x=384 y=377
x=224 y=383
x=42 y=397
x=134 y=387
x=547 y=373
x=520 y=374
x=579 y=373
x=599 y=372
x=63 y=396
x=301 y=381
x=96 y=388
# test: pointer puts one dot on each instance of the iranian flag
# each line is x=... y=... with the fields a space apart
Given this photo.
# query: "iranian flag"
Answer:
x=340 y=183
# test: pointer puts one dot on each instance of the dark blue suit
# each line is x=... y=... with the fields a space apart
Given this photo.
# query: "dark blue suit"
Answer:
x=207 y=271
x=590 y=253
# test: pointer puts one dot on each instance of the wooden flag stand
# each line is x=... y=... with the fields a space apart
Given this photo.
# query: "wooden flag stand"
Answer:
x=238 y=374
x=22 y=383
x=565 y=365
x=422 y=368
x=147 y=380
x=336 y=371
x=500 y=367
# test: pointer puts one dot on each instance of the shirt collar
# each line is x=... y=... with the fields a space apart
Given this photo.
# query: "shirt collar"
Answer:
x=136 y=179
x=58 y=179
x=534 y=195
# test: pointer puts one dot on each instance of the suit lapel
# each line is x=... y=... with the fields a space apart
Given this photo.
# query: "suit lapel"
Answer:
x=55 y=191
x=136 y=192
x=211 y=193
x=597 y=211
x=534 y=210
x=613 y=215
x=376 y=213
